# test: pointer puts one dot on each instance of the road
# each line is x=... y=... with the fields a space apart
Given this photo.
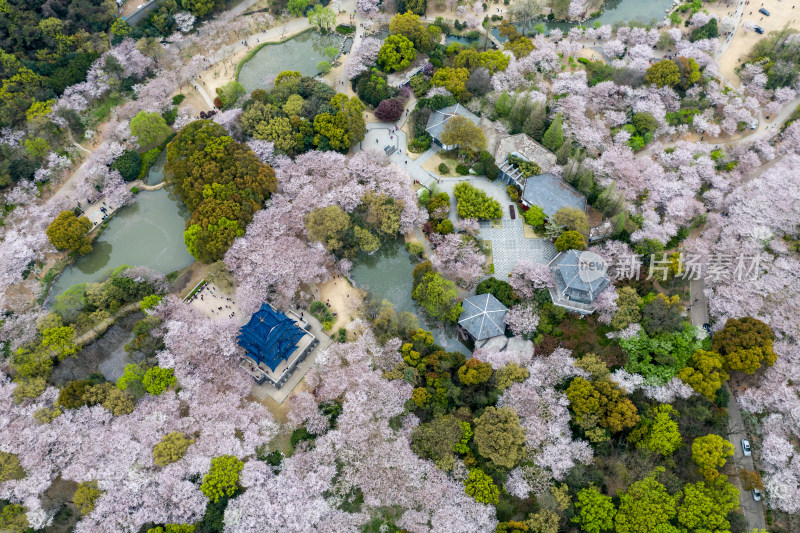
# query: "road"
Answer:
x=751 y=509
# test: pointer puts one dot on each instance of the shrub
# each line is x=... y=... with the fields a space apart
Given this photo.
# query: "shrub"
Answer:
x=443 y=169
x=474 y=203
x=462 y=169
x=177 y=99
x=513 y=192
x=420 y=144
x=128 y=165
x=345 y=29
x=323 y=67
x=534 y=216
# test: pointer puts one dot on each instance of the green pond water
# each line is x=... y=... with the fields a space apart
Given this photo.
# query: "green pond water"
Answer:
x=301 y=53
x=387 y=275
x=147 y=233
x=615 y=11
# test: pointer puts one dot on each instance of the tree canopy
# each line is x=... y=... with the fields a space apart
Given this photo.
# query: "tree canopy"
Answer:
x=69 y=232
x=222 y=183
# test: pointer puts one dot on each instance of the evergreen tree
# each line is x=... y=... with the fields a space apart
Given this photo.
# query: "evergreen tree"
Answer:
x=564 y=151
x=553 y=138
x=534 y=124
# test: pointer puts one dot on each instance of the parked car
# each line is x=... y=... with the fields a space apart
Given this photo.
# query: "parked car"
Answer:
x=512 y=211
x=759 y=29
x=764 y=11
x=757 y=495
x=754 y=124
x=746 y=447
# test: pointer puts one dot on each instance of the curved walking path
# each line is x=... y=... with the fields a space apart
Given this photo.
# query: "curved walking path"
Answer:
x=101 y=327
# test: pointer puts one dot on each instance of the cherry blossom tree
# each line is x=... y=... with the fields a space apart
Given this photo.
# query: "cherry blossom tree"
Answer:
x=457 y=257
x=528 y=276
x=522 y=319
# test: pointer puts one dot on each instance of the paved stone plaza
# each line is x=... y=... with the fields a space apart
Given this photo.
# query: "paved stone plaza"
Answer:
x=509 y=245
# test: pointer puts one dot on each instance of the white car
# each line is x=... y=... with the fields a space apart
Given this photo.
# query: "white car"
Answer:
x=757 y=495
x=746 y=447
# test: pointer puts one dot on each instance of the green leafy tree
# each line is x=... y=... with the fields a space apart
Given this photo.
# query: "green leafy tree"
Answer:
x=603 y=403
x=173 y=528
x=474 y=372
x=657 y=431
x=59 y=342
x=472 y=202
x=397 y=53
x=68 y=232
x=645 y=507
x=510 y=374
x=85 y=497
x=628 y=308
x=13 y=518
x=156 y=380
x=534 y=125
x=553 y=138
x=10 y=467
x=662 y=314
x=710 y=454
x=322 y=17
x=570 y=240
x=705 y=373
x=500 y=289
x=709 y=30
x=438 y=296
x=297 y=7
x=452 y=79
x=199 y=8
x=367 y=242
x=745 y=344
x=230 y=93
x=150 y=301
x=595 y=512
x=222 y=183
x=171 y=448
x=131 y=379
x=705 y=506
x=436 y=440
x=481 y=487
x=665 y=73
x=499 y=436
x=690 y=71
x=462 y=132
x=222 y=480
x=129 y=164
x=409 y=25
x=644 y=123
x=149 y=128
x=328 y=225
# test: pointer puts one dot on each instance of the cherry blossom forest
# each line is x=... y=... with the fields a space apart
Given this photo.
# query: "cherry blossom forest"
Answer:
x=625 y=418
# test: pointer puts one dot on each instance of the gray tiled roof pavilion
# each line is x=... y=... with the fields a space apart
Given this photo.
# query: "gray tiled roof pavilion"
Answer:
x=551 y=193
x=439 y=118
x=569 y=284
x=482 y=316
